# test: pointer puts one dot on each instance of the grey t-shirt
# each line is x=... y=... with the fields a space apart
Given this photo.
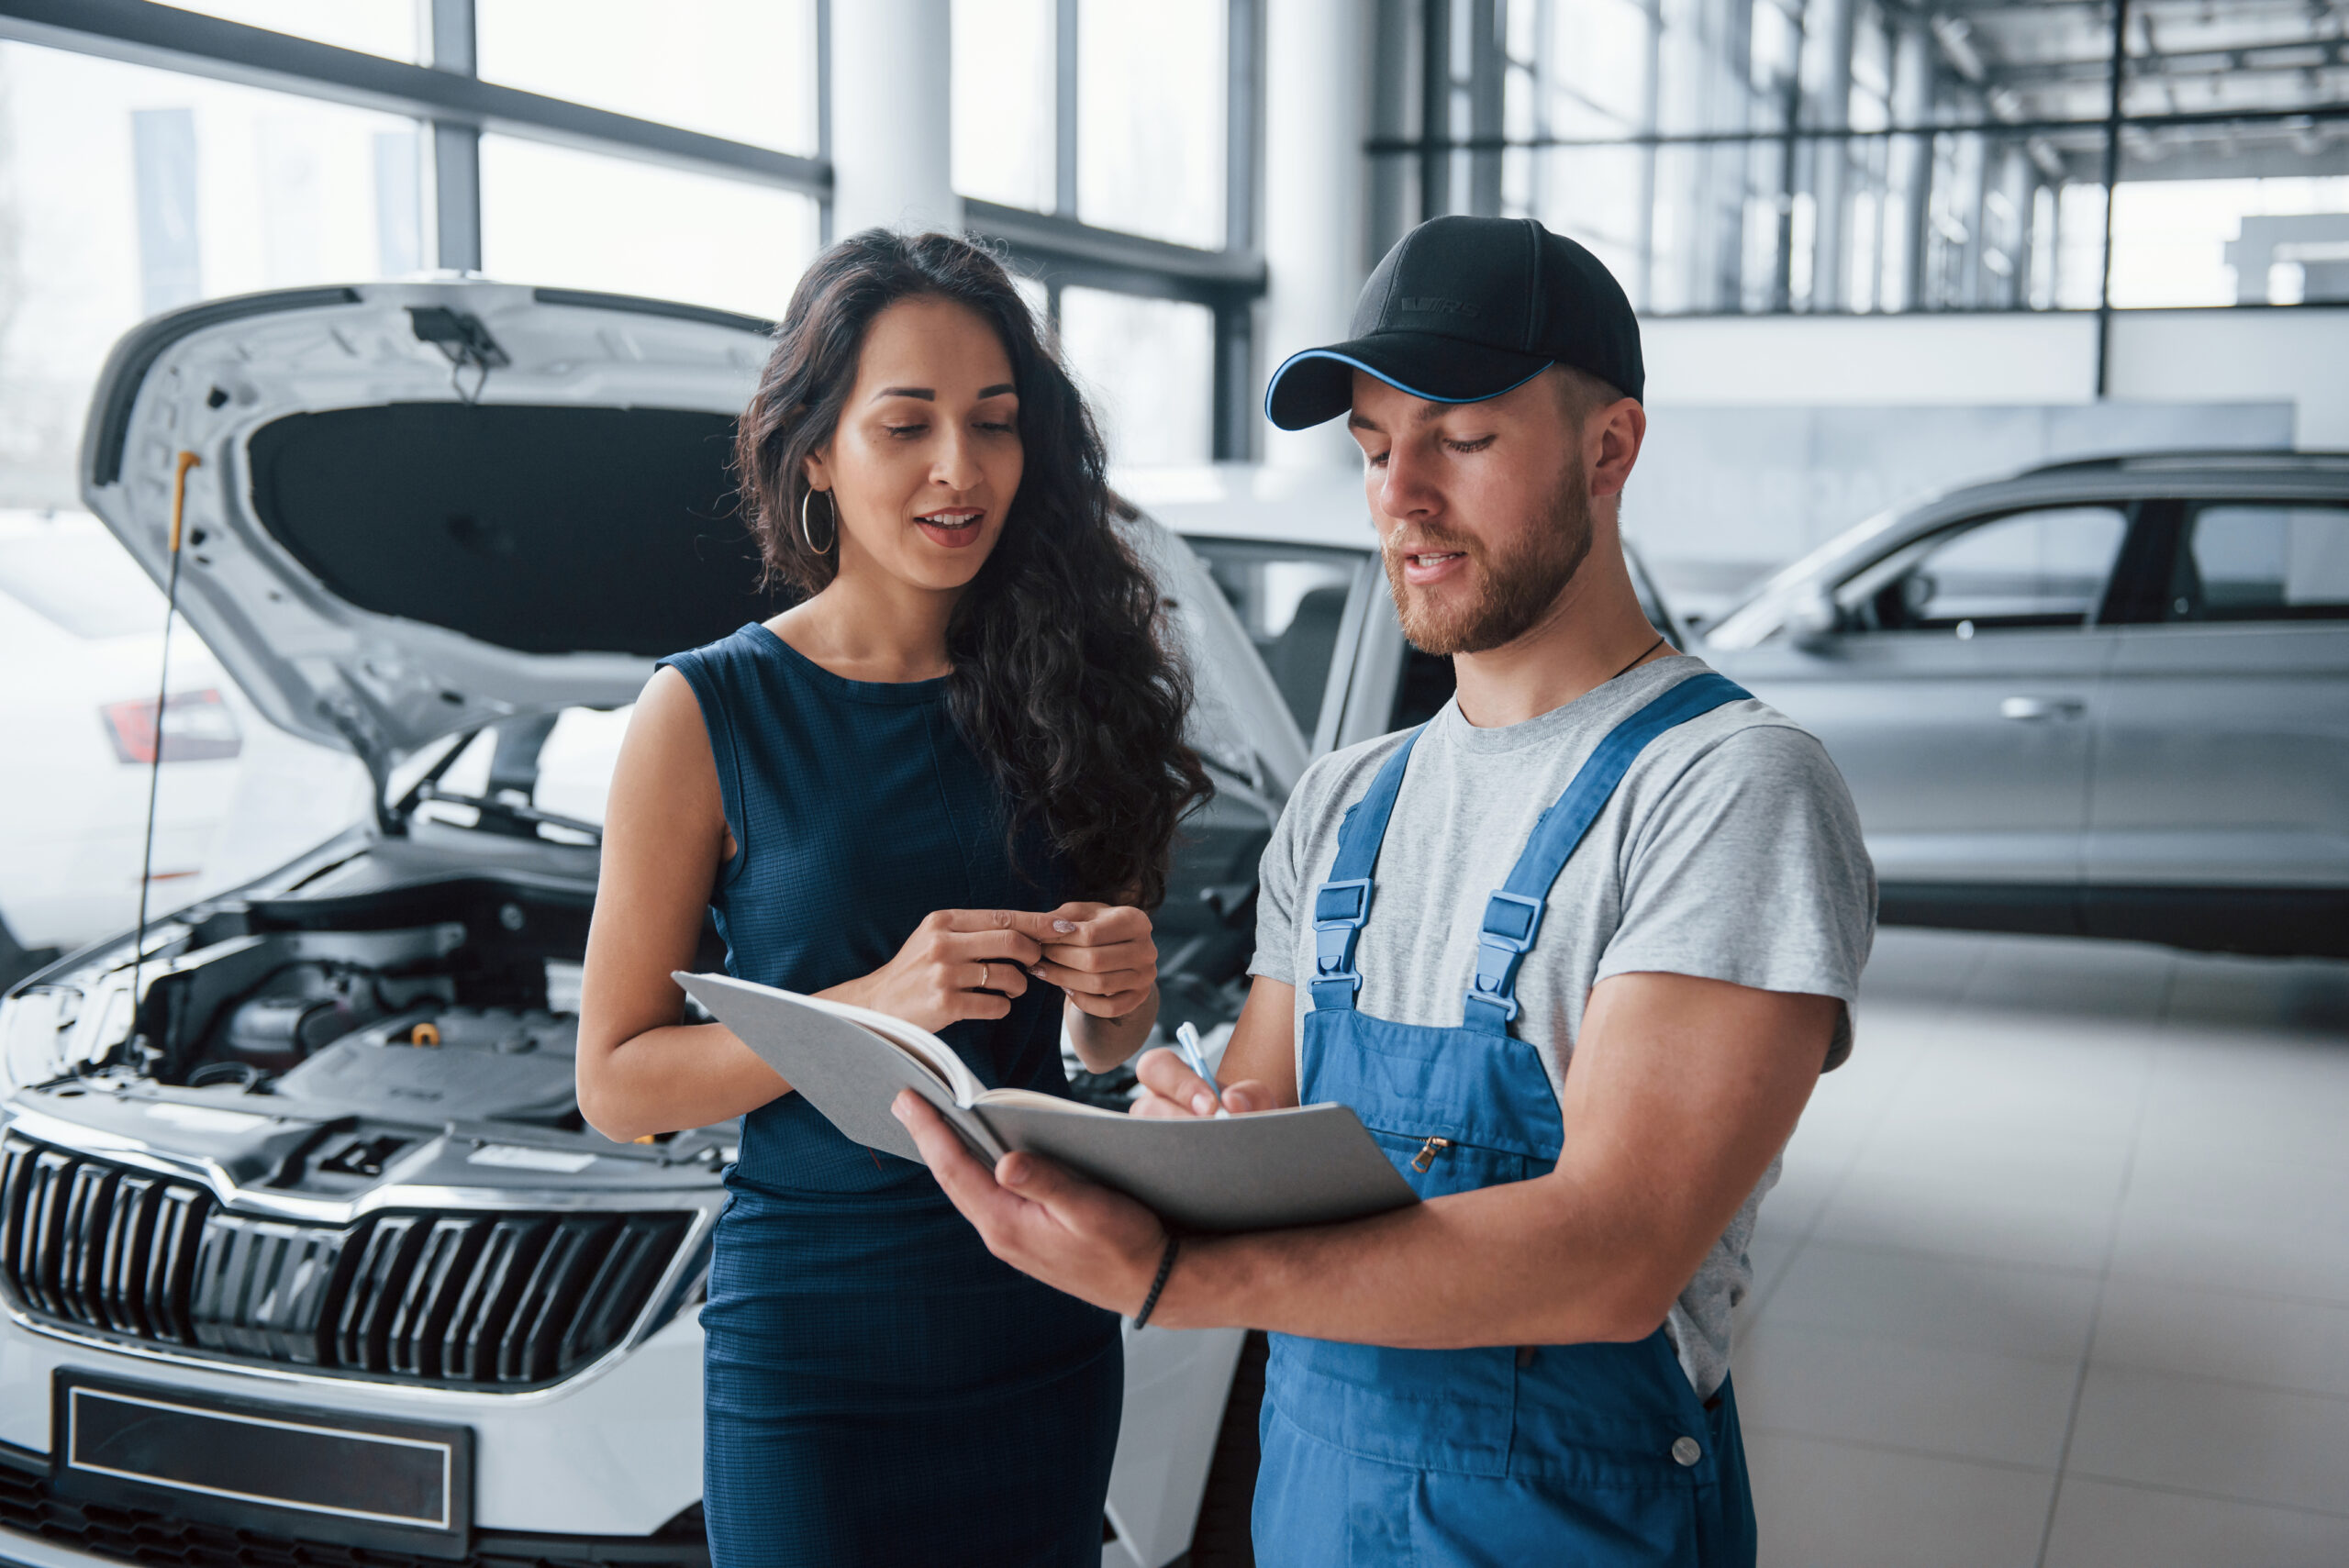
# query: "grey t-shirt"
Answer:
x=1731 y=850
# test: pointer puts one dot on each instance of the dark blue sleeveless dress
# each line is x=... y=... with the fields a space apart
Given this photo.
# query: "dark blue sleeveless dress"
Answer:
x=878 y=1388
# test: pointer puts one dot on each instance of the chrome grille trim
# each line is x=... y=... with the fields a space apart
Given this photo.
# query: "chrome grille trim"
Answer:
x=484 y=1302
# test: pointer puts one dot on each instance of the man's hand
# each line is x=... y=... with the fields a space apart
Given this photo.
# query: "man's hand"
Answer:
x=1040 y=1218
x=1171 y=1089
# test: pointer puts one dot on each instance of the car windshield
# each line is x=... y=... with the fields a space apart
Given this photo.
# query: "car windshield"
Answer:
x=1289 y=599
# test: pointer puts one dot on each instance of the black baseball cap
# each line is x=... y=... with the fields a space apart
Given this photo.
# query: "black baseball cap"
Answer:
x=1465 y=309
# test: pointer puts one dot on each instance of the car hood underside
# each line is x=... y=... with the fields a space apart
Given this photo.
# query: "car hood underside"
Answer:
x=417 y=508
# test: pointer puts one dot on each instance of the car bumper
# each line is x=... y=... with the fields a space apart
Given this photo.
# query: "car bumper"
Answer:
x=614 y=1452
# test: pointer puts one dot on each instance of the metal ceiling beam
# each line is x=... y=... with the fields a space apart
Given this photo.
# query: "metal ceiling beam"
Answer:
x=145 y=33
x=1395 y=145
x=1070 y=251
x=2185 y=66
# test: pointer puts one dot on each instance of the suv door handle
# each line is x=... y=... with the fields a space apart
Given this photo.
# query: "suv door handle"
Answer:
x=2040 y=710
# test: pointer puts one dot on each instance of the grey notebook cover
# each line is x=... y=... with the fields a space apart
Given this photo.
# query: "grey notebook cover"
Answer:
x=1307 y=1165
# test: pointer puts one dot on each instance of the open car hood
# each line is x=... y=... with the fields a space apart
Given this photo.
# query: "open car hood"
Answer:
x=422 y=507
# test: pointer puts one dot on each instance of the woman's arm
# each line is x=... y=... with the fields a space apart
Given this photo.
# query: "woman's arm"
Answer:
x=641 y=1071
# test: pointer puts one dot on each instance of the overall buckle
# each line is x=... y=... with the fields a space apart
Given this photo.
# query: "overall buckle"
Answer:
x=1345 y=903
x=1504 y=936
x=1340 y=908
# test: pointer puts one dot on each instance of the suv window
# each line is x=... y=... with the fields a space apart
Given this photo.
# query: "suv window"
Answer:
x=1290 y=599
x=2023 y=571
x=2253 y=560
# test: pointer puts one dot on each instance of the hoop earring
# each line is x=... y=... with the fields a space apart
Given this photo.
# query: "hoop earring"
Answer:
x=809 y=537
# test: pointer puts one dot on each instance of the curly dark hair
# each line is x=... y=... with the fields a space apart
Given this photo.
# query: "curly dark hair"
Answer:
x=1065 y=678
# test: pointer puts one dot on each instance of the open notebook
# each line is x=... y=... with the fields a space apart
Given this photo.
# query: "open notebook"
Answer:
x=1302 y=1167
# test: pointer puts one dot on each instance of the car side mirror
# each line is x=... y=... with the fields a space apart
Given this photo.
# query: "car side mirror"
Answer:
x=1814 y=619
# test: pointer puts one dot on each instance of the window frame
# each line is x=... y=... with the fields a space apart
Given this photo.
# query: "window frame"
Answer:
x=1442 y=136
x=452 y=105
x=1059 y=250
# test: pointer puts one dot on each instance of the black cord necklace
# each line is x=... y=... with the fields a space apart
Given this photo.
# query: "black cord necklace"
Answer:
x=1634 y=663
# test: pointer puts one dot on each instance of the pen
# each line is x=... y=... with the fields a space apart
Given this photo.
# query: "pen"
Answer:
x=1186 y=1042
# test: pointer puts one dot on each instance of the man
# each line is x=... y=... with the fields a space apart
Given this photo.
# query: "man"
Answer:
x=1601 y=855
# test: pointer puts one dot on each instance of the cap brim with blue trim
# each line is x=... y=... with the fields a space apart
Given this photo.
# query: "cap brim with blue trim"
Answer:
x=1318 y=383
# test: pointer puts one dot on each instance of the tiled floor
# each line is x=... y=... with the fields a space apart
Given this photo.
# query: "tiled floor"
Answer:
x=2058 y=1273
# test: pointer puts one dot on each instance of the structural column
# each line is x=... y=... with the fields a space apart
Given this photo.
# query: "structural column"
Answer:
x=456 y=149
x=1317 y=74
x=892 y=148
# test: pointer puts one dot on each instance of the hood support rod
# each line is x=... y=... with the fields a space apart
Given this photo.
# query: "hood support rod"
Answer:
x=186 y=461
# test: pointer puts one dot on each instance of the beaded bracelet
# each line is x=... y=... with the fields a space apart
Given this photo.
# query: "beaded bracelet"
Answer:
x=1165 y=1267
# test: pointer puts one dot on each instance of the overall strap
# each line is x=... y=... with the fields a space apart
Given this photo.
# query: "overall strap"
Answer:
x=1341 y=905
x=1513 y=914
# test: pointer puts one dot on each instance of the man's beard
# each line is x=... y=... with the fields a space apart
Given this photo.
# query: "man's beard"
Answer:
x=1513 y=591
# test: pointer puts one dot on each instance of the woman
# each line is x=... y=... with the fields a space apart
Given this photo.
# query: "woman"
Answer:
x=943 y=786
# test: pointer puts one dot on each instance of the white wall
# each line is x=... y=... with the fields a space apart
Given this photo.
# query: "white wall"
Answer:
x=2300 y=354
x=2238 y=355
x=1847 y=360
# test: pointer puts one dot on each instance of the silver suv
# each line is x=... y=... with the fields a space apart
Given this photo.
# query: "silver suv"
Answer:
x=2107 y=697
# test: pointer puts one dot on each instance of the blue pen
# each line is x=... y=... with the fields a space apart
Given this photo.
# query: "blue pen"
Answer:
x=1186 y=1044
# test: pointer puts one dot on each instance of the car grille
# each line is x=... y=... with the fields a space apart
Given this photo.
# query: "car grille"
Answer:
x=28 y=1506
x=463 y=1299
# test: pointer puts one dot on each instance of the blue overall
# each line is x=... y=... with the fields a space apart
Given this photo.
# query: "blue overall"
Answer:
x=1583 y=1454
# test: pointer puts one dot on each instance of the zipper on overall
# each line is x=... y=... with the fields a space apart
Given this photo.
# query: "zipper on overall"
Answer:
x=1428 y=1151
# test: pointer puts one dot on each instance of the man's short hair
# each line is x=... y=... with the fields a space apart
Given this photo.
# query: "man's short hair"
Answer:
x=1581 y=393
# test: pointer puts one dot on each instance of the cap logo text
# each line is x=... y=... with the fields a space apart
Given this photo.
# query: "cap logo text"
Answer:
x=1429 y=304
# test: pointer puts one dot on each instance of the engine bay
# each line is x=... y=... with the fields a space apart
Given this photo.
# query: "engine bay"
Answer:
x=384 y=985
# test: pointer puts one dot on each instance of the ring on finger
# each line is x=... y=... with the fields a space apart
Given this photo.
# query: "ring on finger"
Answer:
x=986 y=976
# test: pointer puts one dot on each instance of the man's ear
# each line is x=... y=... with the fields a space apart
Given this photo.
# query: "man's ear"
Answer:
x=1612 y=437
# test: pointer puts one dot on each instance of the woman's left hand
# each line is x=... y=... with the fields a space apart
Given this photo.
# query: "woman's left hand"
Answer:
x=1101 y=955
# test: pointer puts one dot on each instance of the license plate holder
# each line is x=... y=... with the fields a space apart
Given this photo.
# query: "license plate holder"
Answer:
x=286 y=1470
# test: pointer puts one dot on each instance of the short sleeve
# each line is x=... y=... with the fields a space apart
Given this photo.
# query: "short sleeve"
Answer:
x=1752 y=869
x=1278 y=876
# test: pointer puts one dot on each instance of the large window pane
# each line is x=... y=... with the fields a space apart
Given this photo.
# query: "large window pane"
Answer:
x=394 y=28
x=744 y=69
x=1148 y=368
x=2259 y=241
x=1005 y=87
x=552 y=215
x=125 y=191
x=1150 y=119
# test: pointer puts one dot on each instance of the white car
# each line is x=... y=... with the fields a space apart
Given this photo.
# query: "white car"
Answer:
x=305 y=1251
x=81 y=640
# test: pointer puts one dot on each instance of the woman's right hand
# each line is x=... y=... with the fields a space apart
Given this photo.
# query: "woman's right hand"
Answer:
x=959 y=964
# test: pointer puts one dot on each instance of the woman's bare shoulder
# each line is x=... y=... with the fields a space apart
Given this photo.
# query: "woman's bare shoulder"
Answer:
x=667 y=744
